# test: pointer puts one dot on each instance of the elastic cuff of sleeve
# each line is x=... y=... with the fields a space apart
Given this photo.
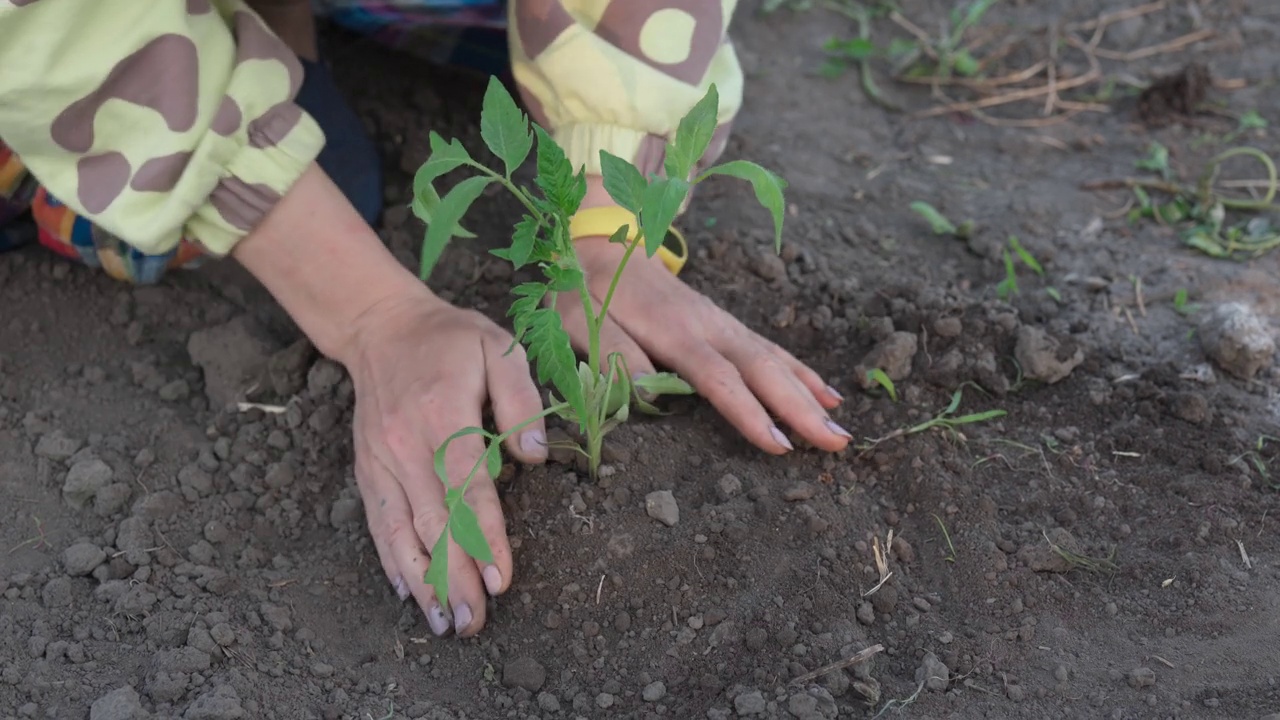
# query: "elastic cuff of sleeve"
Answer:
x=280 y=146
x=582 y=143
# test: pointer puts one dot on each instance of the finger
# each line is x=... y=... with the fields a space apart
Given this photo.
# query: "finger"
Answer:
x=515 y=398
x=826 y=395
x=716 y=379
x=377 y=505
x=476 y=575
x=782 y=391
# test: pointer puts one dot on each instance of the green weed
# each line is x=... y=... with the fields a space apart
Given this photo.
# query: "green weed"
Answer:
x=878 y=376
x=939 y=223
x=944 y=420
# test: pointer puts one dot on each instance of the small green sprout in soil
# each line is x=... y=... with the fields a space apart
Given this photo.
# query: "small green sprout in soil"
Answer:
x=1156 y=161
x=1008 y=287
x=879 y=377
x=1201 y=211
x=595 y=395
x=1084 y=562
x=946 y=536
x=939 y=223
x=944 y=56
x=1182 y=305
x=944 y=420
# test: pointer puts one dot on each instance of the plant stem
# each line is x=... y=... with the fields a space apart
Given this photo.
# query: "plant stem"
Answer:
x=499 y=439
x=617 y=275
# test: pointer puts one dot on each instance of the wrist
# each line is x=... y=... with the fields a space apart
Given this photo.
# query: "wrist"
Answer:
x=326 y=266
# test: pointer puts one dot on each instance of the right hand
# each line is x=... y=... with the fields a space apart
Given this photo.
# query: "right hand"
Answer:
x=423 y=370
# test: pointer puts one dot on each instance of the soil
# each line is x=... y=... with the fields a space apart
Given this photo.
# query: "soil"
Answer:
x=1106 y=549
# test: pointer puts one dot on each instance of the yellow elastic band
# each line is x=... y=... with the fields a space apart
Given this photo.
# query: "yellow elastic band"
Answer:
x=604 y=222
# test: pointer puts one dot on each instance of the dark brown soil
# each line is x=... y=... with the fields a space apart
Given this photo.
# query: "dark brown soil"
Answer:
x=1108 y=549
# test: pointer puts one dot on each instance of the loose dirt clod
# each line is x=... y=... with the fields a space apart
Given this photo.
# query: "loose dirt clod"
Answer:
x=1044 y=357
x=893 y=355
x=661 y=506
x=1237 y=339
x=1174 y=97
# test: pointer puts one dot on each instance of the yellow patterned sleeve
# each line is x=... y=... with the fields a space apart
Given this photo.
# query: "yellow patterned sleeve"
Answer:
x=618 y=75
x=156 y=119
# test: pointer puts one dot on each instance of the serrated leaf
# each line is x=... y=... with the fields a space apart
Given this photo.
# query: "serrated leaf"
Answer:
x=664 y=383
x=768 y=187
x=622 y=181
x=562 y=279
x=528 y=300
x=524 y=237
x=549 y=348
x=693 y=135
x=504 y=127
x=662 y=200
x=556 y=178
x=444 y=220
x=438 y=572
x=445 y=157
x=464 y=526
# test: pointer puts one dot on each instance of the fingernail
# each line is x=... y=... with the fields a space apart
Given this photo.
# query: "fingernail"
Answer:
x=782 y=439
x=402 y=590
x=534 y=442
x=461 y=617
x=438 y=622
x=833 y=427
x=492 y=579
x=834 y=393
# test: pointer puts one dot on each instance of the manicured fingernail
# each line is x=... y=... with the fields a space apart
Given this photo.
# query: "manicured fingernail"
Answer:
x=438 y=622
x=833 y=427
x=492 y=579
x=782 y=439
x=534 y=442
x=402 y=590
x=834 y=393
x=461 y=617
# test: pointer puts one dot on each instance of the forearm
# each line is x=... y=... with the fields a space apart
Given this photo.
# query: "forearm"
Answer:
x=325 y=265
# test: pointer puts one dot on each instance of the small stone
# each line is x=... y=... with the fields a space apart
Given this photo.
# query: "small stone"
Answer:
x=622 y=621
x=654 y=691
x=728 y=487
x=1233 y=336
x=1043 y=357
x=195 y=481
x=661 y=506
x=903 y=549
x=345 y=510
x=222 y=634
x=947 y=327
x=57 y=446
x=815 y=704
x=221 y=703
x=604 y=701
x=322 y=670
x=866 y=613
x=893 y=356
x=933 y=673
x=57 y=592
x=233 y=356
x=799 y=492
x=921 y=604
x=1142 y=677
x=84 y=480
x=82 y=558
x=769 y=266
x=524 y=673
x=1015 y=692
x=749 y=704
x=174 y=391
x=548 y=703
x=122 y=703
x=111 y=499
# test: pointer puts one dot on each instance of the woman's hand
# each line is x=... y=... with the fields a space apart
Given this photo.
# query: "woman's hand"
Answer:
x=654 y=316
x=423 y=370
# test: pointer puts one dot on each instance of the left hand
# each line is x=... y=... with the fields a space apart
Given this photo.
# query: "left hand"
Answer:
x=655 y=316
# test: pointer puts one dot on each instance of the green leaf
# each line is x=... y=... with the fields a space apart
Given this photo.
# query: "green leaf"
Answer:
x=445 y=157
x=979 y=417
x=524 y=237
x=693 y=136
x=881 y=378
x=1251 y=120
x=622 y=181
x=663 y=383
x=562 y=279
x=965 y=64
x=438 y=459
x=504 y=127
x=528 y=300
x=767 y=185
x=853 y=49
x=556 y=178
x=549 y=348
x=438 y=572
x=662 y=200
x=1027 y=257
x=464 y=526
x=445 y=219
x=424 y=206
x=937 y=221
